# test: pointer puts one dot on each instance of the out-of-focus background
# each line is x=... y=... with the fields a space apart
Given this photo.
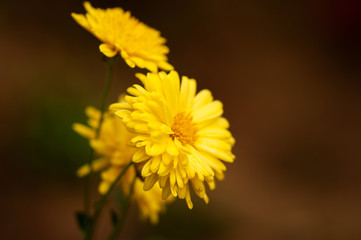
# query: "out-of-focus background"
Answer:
x=288 y=73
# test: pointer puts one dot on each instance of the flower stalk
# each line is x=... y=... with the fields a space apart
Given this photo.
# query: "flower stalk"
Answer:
x=125 y=211
x=105 y=94
x=100 y=205
x=97 y=132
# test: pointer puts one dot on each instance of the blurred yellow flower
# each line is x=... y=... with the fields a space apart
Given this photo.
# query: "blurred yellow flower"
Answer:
x=150 y=203
x=180 y=136
x=114 y=154
x=138 y=44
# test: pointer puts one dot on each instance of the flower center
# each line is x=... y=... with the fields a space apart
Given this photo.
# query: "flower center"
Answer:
x=184 y=129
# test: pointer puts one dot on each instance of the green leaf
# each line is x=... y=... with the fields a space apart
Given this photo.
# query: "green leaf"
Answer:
x=114 y=217
x=83 y=220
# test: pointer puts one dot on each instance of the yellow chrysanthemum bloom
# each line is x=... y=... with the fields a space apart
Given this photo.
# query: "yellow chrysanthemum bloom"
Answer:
x=114 y=154
x=138 y=44
x=150 y=203
x=180 y=135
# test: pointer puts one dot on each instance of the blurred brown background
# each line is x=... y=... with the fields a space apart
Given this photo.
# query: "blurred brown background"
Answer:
x=288 y=73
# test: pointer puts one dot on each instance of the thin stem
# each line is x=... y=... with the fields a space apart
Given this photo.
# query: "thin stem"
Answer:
x=100 y=205
x=87 y=184
x=102 y=109
x=105 y=94
x=125 y=211
x=89 y=225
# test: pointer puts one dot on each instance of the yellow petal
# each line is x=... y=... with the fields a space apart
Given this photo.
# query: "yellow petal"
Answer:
x=84 y=130
x=99 y=164
x=225 y=156
x=81 y=20
x=172 y=177
x=155 y=164
x=180 y=182
x=138 y=61
x=188 y=198
x=163 y=170
x=172 y=148
x=209 y=111
x=162 y=181
x=219 y=144
x=151 y=66
x=103 y=187
x=165 y=66
x=119 y=106
x=202 y=98
x=92 y=112
x=212 y=185
x=150 y=181
x=182 y=192
x=166 y=191
x=130 y=62
x=166 y=159
x=155 y=149
x=108 y=50
x=146 y=169
x=187 y=92
x=214 y=133
x=140 y=156
x=83 y=170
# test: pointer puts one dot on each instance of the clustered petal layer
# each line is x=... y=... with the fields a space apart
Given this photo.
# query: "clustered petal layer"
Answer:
x=114 y=154
x=138 y=44
x=181 y=137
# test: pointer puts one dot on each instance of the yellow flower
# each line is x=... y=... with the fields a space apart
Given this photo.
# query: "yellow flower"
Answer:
x=150 y=203
x=114 y=154
x=180 y=136
x=138 y=44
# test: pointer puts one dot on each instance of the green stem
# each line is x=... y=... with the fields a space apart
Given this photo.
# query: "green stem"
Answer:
x=125 y=211
x=102 y=110
x=105 y=94
x=100 y=205
x=87 y=186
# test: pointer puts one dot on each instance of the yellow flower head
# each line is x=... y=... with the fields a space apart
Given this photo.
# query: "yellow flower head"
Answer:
x=138 y=44
x=180 y=136
x=150 y=203
x=114 y=154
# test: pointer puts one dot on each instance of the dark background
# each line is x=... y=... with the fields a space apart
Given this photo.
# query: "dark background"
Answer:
x=288 y=73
